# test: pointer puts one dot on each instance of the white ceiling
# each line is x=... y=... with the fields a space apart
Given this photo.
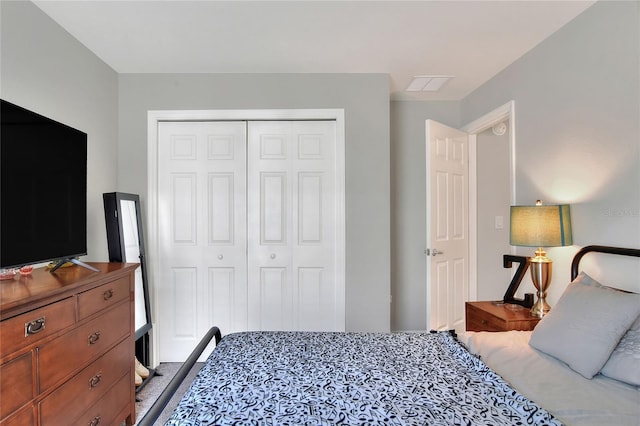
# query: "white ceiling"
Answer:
x=471 y=40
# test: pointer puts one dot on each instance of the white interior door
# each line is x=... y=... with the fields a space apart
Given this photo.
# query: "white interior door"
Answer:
x=447 y=226
x=202 y=233
x=292 y=226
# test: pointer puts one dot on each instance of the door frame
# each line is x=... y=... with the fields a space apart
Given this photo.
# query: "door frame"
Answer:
x=156 y=116
x=506 y=111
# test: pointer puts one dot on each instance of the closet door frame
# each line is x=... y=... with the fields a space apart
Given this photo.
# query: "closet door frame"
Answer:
x=155 y=117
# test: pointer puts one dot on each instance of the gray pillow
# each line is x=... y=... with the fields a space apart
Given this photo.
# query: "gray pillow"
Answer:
x=586 y=325
x=624 y=363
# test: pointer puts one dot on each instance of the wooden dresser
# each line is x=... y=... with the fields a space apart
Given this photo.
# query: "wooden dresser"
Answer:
x=489 y=316
x=67 y=347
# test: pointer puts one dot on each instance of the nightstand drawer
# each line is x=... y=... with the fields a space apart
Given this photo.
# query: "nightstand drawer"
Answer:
x=484 y=322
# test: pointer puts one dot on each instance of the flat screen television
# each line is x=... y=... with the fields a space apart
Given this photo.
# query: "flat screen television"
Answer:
x=43 y=189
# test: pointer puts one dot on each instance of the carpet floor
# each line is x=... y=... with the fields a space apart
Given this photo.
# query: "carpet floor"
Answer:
x=154 y=387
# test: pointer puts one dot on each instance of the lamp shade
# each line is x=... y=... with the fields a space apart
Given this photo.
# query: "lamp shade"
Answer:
x=541 y=226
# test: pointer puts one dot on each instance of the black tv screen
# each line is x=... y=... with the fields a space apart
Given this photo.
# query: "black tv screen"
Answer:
x=43 y=189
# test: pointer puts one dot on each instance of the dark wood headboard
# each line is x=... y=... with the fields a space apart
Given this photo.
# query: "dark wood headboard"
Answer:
x=599 y=249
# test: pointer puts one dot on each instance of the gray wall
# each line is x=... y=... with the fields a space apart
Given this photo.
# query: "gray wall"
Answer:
x=408 y=207
x=46 y=70
x=365 y=99
x=493 y=199
x=577 y=128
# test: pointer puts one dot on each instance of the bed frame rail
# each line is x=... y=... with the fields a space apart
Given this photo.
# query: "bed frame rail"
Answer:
x=156 y=409
x=575 y=264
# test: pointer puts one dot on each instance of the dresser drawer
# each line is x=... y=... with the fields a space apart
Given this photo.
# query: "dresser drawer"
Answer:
x=22 y=418
x=102 y=297
x=79 y=347
x=112 y=404
x=28 y=328
x=87 y=387
x=16 y=384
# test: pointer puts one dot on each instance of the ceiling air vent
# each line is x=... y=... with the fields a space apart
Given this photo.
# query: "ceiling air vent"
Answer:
x=428 y=83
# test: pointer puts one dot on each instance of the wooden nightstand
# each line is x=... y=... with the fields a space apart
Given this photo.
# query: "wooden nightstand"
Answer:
x=491 y=316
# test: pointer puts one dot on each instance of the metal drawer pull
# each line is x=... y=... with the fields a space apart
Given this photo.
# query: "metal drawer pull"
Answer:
x=93 y=338
x=95 y=380
x=108 y=294
x=33 y=327
x=95 y=421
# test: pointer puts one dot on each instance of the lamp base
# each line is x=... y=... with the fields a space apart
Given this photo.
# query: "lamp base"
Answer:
x=540 y=308
x=541 y=267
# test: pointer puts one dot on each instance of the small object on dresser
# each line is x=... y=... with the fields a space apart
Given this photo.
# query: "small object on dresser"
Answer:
x=7 y=274
x=26 y=270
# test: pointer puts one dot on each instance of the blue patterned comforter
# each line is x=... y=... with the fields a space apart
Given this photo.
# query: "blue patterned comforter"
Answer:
x=307 y=378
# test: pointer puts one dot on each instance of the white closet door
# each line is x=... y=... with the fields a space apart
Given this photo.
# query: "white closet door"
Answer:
x=202 y=233
x=250 y=230
x=292 y=226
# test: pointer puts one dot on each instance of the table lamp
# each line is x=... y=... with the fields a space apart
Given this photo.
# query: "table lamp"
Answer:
x=540 y=226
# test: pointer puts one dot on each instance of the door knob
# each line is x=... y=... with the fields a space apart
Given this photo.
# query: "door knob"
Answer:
x=220 y=257
x=436 y=252
x=273 y=255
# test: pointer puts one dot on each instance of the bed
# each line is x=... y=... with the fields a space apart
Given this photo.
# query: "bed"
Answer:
x=437 y=378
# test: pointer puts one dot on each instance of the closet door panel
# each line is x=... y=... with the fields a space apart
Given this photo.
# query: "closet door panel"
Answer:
x=273 y=208
x=291 y=174
x=221 y=208
x=202 y=221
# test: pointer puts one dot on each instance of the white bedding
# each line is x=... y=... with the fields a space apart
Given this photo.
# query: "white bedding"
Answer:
x=574 y=400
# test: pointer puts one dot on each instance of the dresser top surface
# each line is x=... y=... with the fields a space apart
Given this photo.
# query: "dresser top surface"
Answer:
x=42 y=286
